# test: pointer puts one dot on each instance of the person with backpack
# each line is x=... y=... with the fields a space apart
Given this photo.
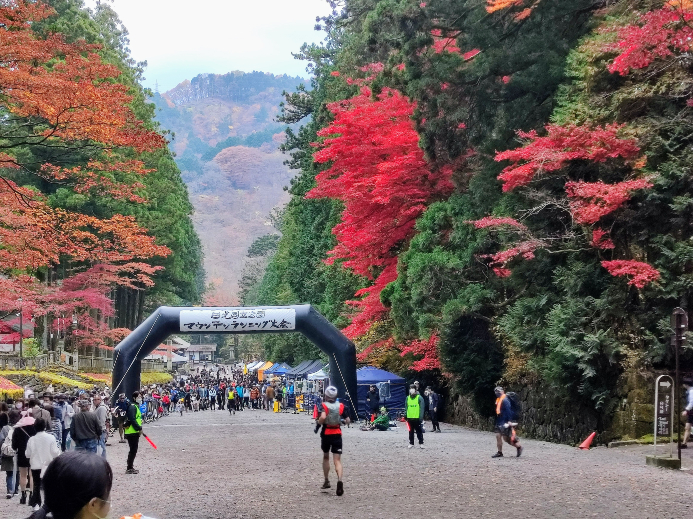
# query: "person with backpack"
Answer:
x=331 y=414
x=7 y=463
x=505 y=423
x=23 y=430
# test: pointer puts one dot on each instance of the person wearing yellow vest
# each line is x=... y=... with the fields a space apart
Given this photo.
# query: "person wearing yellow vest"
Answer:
x=331 y=416
x=414 y=405
x=133 y=430
x=505 y=428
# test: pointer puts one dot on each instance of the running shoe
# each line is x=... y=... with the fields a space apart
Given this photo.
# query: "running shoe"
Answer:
x=519 y=451
x=410 y=447
x=132 y=471
x=497 y=455
x=326 y=484
x=340 y=488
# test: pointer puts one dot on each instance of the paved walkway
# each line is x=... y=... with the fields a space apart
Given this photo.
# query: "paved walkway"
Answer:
x=258 y=464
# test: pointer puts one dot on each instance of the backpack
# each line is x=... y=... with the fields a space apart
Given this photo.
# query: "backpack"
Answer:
x=515 y=405
x=6 y=449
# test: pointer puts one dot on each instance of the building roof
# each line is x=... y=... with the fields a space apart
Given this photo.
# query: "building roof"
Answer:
x=204 y=348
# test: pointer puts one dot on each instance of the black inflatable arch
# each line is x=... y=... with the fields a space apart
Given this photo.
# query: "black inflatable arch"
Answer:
x=168 y=320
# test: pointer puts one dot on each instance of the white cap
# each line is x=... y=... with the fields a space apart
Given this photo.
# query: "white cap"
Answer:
x=331 y=393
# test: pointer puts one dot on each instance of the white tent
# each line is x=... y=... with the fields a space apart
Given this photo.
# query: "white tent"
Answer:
x=318 y=375
x=254 y=365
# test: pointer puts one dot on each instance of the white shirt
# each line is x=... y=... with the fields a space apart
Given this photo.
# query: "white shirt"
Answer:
x=689 y=397
x=68 y=413
x=41 y=449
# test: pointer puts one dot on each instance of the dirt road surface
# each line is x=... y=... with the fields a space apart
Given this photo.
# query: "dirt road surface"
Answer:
x=258 y=464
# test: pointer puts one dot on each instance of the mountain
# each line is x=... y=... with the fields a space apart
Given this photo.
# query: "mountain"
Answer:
x=226 y=145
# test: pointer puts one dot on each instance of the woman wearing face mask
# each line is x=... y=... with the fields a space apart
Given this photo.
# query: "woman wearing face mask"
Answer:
x=133 y=429
x=76 y=485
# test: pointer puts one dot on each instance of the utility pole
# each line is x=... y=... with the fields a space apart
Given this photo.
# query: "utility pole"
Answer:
x=679 y=323
x=21 y=330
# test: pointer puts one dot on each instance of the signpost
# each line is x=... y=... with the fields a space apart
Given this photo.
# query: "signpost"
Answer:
x=679 y=323
x=664 y=411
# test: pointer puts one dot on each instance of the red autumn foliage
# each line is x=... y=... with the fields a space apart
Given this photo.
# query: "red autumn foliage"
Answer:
x=590 y=201
x=427 y=349
x=495 y=222
x=524 y=249
x=658 y=34
x=561 y=145
x=601 y=240
x=470 y=54
x=640 y=273
x=444 y=44
x=380 y=174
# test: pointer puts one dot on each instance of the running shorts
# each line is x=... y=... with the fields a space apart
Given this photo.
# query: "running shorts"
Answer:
x=331 y=442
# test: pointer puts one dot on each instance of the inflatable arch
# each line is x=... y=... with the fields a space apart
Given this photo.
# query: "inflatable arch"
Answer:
x=168 y=320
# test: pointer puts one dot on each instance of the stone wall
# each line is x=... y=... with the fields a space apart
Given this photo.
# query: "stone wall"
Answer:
x=547 y=416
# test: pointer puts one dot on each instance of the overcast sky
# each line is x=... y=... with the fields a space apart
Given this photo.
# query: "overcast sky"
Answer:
x=180 y=39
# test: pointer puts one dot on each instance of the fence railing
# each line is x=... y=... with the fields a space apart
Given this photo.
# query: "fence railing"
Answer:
x=71 y=361
x=14 y=362
x=97 y=364
x=152 y=365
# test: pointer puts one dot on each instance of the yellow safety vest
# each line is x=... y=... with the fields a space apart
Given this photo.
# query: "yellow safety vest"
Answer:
x=413 y=407
x=138 y=418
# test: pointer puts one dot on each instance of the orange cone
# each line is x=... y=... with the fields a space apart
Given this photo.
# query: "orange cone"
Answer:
x=585 y=446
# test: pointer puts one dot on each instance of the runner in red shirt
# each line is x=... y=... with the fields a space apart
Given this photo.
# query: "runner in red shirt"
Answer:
x=331 y=416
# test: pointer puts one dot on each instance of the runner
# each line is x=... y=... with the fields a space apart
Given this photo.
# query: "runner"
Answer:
x=231 y=399
x=505 y=430
x=212 y=398
x=331 y=436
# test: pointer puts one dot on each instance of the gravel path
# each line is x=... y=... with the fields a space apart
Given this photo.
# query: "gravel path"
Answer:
x=258 y=464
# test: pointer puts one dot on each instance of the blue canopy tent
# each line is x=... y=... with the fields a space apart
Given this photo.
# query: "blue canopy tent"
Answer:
x=279 y=369
x=310 y=367
x=278 y=366
x=393 y=389
x=294 y=371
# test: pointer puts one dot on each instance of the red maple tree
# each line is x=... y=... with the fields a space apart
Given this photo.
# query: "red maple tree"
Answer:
x=659 y=34
x=380 y=174
x=588 y=202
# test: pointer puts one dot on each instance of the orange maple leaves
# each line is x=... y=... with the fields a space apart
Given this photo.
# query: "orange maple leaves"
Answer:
x=65 y=86
x=60 y=98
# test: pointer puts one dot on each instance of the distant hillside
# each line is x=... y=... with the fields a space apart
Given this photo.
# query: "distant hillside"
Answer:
x=226 y=141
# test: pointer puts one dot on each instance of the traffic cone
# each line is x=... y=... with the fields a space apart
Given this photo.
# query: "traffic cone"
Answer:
x=585 y=446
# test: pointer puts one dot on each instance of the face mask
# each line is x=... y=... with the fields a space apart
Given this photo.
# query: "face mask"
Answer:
x=138 y=400
x=412 y=392
x=19 y=405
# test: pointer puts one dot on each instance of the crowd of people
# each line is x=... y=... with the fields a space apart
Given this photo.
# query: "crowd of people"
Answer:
x=36 y=431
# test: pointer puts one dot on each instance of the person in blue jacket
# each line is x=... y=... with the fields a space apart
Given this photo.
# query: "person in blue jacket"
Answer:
x=505 y=427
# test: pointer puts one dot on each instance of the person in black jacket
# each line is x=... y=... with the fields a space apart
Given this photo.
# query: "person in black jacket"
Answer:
x=433 y=401
x=20 y=437
x=133 y=430
x=373 y=400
